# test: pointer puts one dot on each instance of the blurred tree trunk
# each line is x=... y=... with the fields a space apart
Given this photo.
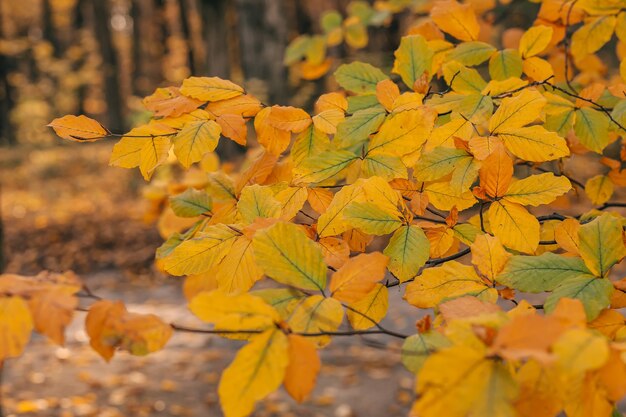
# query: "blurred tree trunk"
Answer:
x=263 y=38
x=7 y=136
x=185 y=26
x=113 y=95
x=216 y=38
x=147 y=45
x=49 y=33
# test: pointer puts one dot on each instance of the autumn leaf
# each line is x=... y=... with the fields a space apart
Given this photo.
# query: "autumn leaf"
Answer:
x=286 y=255
x=16 y=325
x=78 y=128
x=210 y=88
x=358 y=276
x=257 y=370
x=304 y=365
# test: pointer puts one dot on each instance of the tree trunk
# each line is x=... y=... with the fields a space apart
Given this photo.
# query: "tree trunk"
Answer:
x=7 y=136
x=263 y=38
x=186 y=32
x=113 y=95
x=49 y=33
x=147 y=46
x=216 y=38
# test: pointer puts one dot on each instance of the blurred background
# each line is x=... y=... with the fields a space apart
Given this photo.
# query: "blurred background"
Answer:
x=63 y=208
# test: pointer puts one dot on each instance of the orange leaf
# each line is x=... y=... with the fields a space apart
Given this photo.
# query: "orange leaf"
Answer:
x=170 y=102
x=358 y=276
x=304 y=365
x=496 y=173
x=78 y=128
x=289 y=118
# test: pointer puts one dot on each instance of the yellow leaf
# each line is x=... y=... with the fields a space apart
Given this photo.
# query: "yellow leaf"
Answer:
x=257 y=370
x=288 y=256
x=371 y=219
x=451 y=280
x=537 y=189
x=535 y=40
x=566 y=235
x=458 y=20
x=331 y=222
x=304 y=365
x=579 y=350
x=599 y=189
x=238 y=270
x=146 y=146
x=327 y=120
x=601 y=244
x=592 y=36
x=489 y=255
x=234 y=312
x=78 y=128
x=534 y=143
x=292 y=200
x=514 y=225
x=408 y=251
x=460 y=382
x=518 y=111
x=99 y=326
x=195 y=140
x=317 y=314
x=358 y=276
x=289 y=118
x=210 y=88
x=537 y=69
x=16 y=324
x=444 y=197
x=201 y=253
x=370 y=310
x=258 y=201
x=403 y=133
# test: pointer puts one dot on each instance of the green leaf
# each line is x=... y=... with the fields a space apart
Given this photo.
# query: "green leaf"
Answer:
x=296 y=49
x=601 y=244
x=408 y=250
x=323 y=166
x=371 y=219
x=356 y=128
x=592 y=127
x=505 y=64
x=359 y=77
x=471 y=53
x=413 y=58
x=418 y=347
x=191 y=203
x=258 y=201
x=438 y=163
x=594 y=293
x=540 y=273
